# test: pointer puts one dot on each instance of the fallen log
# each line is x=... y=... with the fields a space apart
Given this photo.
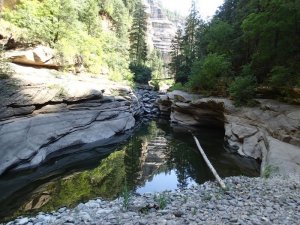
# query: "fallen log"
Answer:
x=210 y=166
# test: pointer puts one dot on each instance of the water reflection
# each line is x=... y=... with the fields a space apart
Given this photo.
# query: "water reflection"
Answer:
x=155 y=158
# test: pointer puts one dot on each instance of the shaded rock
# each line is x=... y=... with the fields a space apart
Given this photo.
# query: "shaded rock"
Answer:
x=243 y=131
x=192 y=115
x=282 y=157
x=52 y=108
x=164 y=104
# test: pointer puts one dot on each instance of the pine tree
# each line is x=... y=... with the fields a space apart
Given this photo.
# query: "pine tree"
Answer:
x=138 y=45
x=189 y=38
x=184 y=47
x=176 y=55
x=89 y=15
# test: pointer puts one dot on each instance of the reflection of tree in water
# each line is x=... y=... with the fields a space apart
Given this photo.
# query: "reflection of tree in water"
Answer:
x=132 y=160
x=182 y=156
x=129 y=164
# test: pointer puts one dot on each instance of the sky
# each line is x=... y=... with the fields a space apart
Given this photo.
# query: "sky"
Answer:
x=206 y=8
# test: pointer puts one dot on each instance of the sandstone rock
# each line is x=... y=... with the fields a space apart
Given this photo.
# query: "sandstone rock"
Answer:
x=39 y=56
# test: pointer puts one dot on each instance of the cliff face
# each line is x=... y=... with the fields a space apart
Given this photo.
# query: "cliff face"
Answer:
x=161 y=30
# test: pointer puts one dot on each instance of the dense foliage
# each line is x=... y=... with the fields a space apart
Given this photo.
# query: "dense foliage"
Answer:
x=96 y=30
x=109 y=37
x=246 y=44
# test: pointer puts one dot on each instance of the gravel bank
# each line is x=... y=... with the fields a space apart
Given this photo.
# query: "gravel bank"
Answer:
x=248 y=201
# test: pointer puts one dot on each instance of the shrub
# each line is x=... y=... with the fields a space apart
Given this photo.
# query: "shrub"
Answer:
x=208 y=74
x=141 y=73
x=280 y=76
x=179 y=86
x=242 y=90
x=5 y=70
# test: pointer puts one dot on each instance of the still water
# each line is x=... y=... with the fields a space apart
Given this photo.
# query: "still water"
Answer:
x=157 y=157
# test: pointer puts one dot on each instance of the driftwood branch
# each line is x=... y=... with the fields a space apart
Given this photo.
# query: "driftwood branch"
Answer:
x=212 y=169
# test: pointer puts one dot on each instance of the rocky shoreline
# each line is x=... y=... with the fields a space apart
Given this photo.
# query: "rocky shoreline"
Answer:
x=247 y=201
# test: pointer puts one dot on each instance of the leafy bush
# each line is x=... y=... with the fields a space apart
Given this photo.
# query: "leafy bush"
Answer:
x=242 y=90
x=141 y=73
x=208 y=74
x=5 y=70
x=280 y=76
x=47 y=21
x=179 y=86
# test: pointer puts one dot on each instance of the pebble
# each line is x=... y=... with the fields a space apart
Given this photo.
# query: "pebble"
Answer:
x=255 y=201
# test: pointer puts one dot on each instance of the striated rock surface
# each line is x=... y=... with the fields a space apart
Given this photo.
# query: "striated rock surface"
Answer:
x=43 y=112
x=269 y=132
x=161 y=30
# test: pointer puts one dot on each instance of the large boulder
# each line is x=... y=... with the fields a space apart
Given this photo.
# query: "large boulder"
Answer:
x=48 y=113
x=40 y=56
x=209 y=114
x=282 y=158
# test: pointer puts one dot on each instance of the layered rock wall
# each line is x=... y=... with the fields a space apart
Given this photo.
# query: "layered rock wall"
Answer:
x=269 y=132
x=161 y=30
x=43 y=112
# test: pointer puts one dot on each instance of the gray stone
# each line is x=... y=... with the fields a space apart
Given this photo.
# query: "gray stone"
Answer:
x=22 y=221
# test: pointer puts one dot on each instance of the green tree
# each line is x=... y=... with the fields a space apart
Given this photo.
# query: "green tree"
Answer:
x=141 y=73
x=48 y=20
x=272 y=34
x=189 y=39
x=89 y=15
x=184 y=47
x=243 y=88
x=156 y=65
x=211 y=73
x=176 y=56
x=138 y=45
x=219 y=37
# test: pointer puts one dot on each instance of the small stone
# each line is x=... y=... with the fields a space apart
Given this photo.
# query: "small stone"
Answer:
x=61 y=210
x=178 y=213
x=23 y=221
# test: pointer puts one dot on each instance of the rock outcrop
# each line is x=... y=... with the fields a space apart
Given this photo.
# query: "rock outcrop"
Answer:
x=45 y=112
x=39 y=56
x=269 y=132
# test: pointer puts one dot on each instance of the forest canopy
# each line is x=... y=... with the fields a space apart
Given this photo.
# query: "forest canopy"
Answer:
x=250 y=44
